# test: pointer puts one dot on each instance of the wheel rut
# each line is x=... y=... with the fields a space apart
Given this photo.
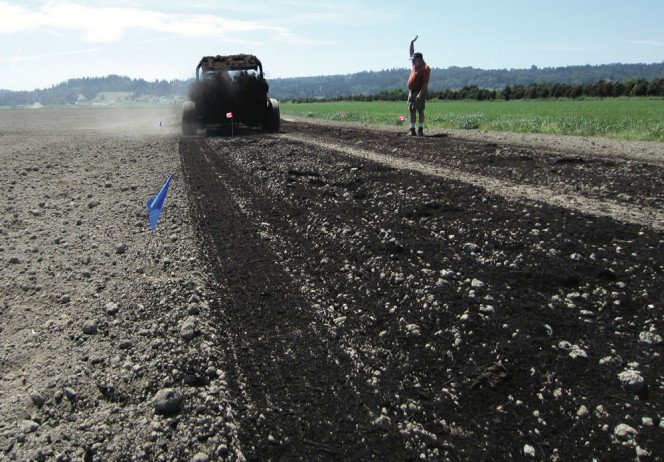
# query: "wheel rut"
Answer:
x=652 y=217
x=292 y=376
x=379 y=301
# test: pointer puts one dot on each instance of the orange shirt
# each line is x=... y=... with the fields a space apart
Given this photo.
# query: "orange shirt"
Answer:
x=418 y=76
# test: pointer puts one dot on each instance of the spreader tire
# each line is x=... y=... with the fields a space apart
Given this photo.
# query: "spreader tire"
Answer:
x=273 y=118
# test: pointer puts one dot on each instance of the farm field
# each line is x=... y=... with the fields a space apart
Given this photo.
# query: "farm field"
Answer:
x=334 y=291
x=624 y=119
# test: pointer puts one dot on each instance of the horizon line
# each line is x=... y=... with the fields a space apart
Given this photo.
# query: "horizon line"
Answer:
x=533 y=67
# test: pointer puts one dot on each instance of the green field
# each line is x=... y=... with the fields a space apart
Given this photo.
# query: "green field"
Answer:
x=623 y=119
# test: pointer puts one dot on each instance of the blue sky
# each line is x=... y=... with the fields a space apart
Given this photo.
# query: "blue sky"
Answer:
x=43 y=43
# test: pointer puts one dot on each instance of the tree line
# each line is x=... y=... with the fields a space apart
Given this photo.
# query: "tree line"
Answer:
x=460 y=80
x=451 y=83
x=542 y=90
x=85 y=89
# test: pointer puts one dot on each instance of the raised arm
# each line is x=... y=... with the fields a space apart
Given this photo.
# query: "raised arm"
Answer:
x=412 y=46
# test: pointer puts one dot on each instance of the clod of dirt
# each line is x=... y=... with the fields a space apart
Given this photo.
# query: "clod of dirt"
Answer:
x=167 y=401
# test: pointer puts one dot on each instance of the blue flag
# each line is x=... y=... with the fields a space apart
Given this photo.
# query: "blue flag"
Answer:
x=156 y=203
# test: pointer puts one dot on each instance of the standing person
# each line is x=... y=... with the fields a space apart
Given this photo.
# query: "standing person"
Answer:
x=418 y=83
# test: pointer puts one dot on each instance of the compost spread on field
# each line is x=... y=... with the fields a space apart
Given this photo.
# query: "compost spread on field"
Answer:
x=331 y=291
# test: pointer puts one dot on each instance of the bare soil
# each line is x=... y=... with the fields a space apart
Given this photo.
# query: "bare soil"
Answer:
x=329 y=292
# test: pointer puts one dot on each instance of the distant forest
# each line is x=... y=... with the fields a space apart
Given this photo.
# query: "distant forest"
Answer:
x=607 y=80
x=456 y=79
x=602 y=89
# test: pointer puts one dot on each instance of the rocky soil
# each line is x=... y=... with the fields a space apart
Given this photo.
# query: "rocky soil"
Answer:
x=328 y=292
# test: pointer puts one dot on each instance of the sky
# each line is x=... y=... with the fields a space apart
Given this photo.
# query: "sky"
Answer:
x=44 y=43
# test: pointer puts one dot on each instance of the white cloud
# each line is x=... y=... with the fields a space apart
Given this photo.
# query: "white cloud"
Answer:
x=19 y=56
x=108 y=24
x=16 y=19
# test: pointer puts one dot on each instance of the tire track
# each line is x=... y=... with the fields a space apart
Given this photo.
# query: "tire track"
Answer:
x=372 y=359
x=646 y=216
x=290 y=376
x=334 y=267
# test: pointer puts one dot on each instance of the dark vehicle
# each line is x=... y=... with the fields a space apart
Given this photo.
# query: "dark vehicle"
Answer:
x=229 y=90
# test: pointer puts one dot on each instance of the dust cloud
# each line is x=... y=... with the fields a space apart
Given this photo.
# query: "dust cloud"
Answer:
x=129 y=121
x=239 y=92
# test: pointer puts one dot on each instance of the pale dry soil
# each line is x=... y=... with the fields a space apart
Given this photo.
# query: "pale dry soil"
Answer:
x=330 y=292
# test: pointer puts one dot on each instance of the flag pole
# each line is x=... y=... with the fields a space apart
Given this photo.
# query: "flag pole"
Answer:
x=141 y=267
